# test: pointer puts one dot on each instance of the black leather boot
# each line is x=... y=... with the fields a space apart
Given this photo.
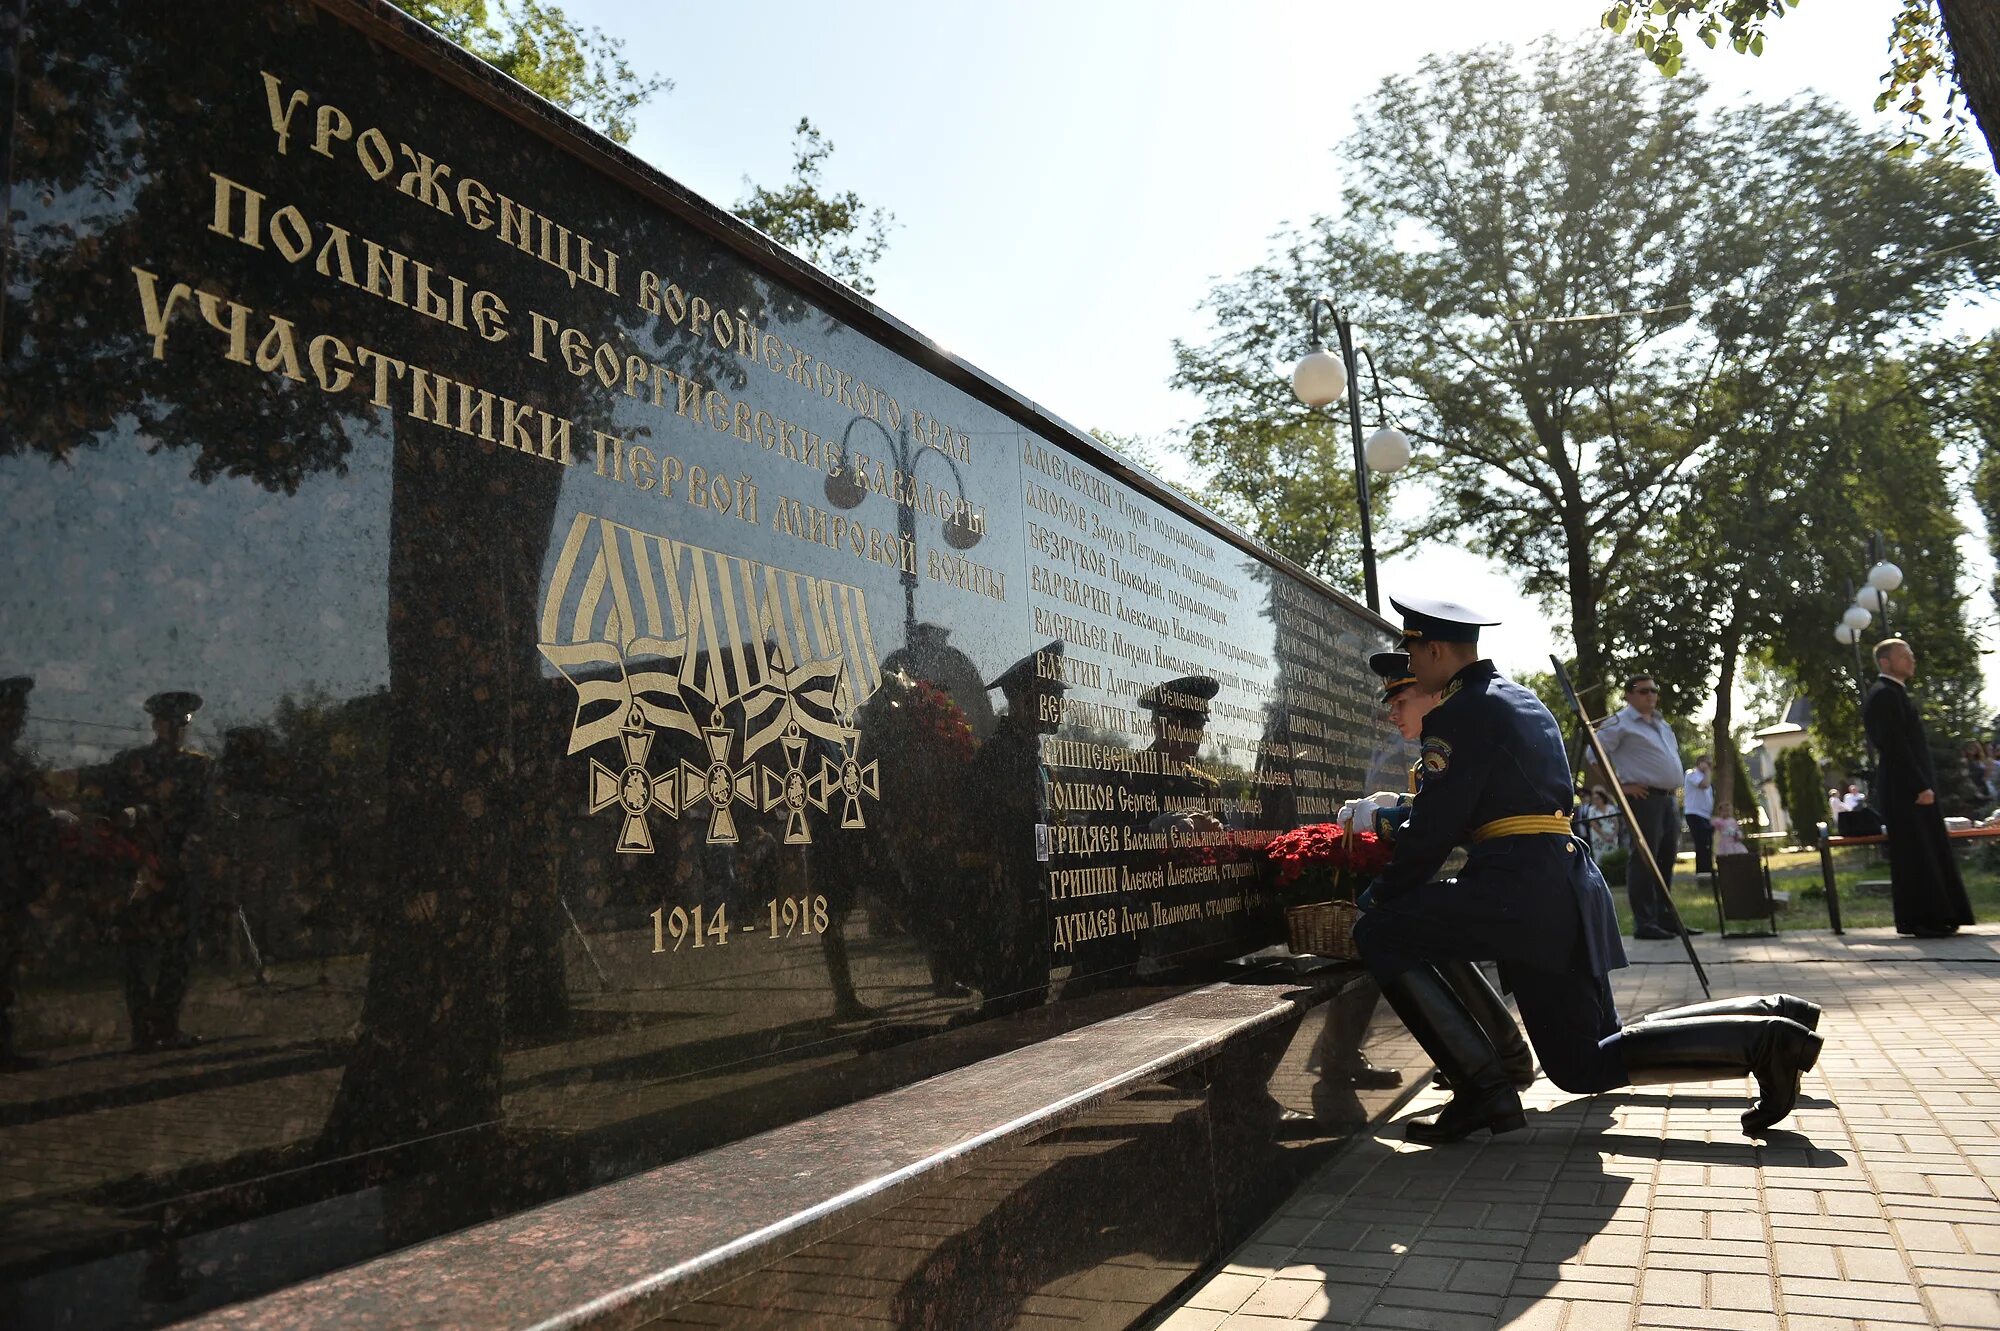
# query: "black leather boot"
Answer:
x=1490 y=1011
x=1482 y=1096
x=1776 y=1050
x=1796 y=1009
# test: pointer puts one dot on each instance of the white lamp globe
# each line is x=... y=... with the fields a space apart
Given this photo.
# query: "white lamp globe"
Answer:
x=1846 y=634
x=1855 y=617
x=1886 y=576
x=1869 y=597
x=1387 y=450
x=1319 y=378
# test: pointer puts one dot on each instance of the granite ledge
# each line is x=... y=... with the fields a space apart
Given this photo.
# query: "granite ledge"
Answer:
x=618 y=1256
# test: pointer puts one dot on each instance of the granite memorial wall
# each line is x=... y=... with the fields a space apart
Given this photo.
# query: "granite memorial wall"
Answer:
x=511 y=680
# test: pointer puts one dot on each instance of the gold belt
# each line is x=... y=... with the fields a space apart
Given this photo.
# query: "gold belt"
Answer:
x=1524 y=824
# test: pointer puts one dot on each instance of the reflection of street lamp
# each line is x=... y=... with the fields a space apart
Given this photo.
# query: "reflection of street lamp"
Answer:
x=844 y=491
x=1319 y=378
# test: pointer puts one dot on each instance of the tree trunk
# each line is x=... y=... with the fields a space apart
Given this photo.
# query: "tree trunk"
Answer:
x=1972 y=31
x=1583 y=627
x=466 y=533
x=1722 y=748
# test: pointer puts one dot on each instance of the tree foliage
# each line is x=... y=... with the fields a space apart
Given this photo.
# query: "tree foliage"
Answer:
x=1481 y=195
x=1799 y=788
x=1583 y=316
x=1280 y=470
x=1969 y=409
x=1932 y=43
x=579 y=69
x=1666 y=368
x=837 y=232
x=1822 y=256
x=1756 y=568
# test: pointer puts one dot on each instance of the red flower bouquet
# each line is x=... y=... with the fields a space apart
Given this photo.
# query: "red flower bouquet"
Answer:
x=938 y=715
x=1319 y=859
x=1328 y=850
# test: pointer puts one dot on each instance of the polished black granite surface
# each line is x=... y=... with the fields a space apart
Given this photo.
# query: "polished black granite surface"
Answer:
x=1094 y=1172
x=507 y=681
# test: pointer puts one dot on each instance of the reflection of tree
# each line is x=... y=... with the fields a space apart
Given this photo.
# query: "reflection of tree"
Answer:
x=114 y=142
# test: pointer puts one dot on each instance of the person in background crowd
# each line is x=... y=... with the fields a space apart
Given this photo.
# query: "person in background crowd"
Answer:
x=1697 y=808
x=1852 y=816
x=1976 y=773
x=1642 y=747
x=1924 y=885
x=1604 y=827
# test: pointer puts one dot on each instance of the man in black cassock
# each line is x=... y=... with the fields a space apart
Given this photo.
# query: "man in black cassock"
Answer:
x=1929 y=897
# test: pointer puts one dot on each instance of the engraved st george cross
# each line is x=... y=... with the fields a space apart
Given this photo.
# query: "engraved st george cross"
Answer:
x=634 y=789
x=719 y=783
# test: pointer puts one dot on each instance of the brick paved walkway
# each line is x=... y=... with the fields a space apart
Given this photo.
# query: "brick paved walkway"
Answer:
x=1649 y=1208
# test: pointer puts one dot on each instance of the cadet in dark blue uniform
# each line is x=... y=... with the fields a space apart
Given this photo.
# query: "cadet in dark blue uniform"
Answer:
x=1495 y=778
x=1408 y=705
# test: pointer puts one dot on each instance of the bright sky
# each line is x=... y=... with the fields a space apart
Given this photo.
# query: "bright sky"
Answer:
x=1069 y=179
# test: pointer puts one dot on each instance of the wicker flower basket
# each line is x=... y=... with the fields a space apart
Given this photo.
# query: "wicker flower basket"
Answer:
x=1326 y=858
x=1322 y=929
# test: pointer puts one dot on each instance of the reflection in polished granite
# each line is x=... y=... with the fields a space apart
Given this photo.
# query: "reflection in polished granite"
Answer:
x=1166 y=1181
x=448 y=762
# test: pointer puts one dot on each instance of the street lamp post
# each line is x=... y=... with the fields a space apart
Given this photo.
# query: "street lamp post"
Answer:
x=1319 y=378
x=1883 y=577
x=1873 y=598
x=846 y=492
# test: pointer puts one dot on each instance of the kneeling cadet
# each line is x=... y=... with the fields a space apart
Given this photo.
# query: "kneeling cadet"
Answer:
x=1495 y=778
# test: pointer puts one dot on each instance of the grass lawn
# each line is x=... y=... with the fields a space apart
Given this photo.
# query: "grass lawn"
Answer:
x=1798 y=872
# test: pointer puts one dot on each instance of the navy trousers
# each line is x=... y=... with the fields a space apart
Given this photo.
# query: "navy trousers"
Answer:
x=1565 y=1010
x=1659 y=824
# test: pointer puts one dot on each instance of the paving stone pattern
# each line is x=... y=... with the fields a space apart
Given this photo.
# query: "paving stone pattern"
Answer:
x=1871 y=1207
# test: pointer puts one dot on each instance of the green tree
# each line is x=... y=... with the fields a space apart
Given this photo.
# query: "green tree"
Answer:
x=1969 y=408
x=1484 y=195
x=1951 y=42
x=1591 y=326
x=1755 y=570
x=579 y=69
x=1800 y=305
x=1799 y=787
x=1986 y=491
x=837 y=232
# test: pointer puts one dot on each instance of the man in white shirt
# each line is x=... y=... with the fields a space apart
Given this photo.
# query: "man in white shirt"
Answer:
x=1697 y=807
x=1641 y=745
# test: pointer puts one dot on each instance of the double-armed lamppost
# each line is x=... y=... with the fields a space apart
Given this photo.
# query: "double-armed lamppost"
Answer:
x=1320 y=378
x=1873 y=598
x=844 y=490
x=1883 y=578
